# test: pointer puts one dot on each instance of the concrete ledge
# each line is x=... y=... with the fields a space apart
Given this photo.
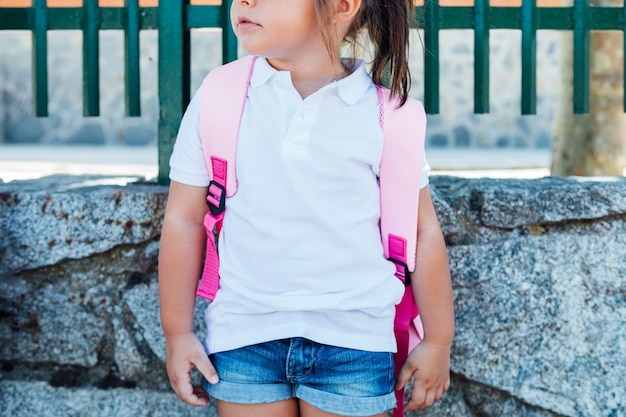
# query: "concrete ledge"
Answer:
x=21 y=162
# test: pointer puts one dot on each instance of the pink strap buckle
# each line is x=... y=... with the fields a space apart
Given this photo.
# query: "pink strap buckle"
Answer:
x=397 y=255
x=402 y=271
x=216 y=198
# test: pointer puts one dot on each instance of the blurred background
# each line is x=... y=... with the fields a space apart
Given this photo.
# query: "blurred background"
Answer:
x=458 y=138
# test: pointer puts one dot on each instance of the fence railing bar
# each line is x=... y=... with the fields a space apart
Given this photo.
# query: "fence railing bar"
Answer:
x=132 y=80
x=431 y=57
x=203 y=16
x=91 y=56
x=605 y=18
x=16 y=18
x=65 y=18
x=548 y=18
x=171 y=75
x=39 y=60
x=581 y=57
x=529 y=57
x=555 y=18
x=456 y=17
x=505 y=17
x=481 y=56
x=71 y=18
x=186 y=68
x=229 y=40
x=113 y=18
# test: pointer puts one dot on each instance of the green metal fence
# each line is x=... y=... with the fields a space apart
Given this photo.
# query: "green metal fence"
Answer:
x=175 y=18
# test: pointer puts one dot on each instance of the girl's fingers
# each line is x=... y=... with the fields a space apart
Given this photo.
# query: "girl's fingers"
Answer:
x=422 y=398
x=429 y=399
x=403 y=376
x=191 y=395
x=181 y=384
x=418 y=396
x=206 y=368
x=201 y=395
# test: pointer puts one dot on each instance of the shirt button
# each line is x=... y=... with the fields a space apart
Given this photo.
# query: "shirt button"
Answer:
x=290 y=113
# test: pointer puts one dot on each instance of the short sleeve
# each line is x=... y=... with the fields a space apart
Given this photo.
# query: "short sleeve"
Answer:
x=425 y=173
x=187 y=164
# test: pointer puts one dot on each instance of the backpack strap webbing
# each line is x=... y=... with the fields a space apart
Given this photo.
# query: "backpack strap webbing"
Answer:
x=221 y=107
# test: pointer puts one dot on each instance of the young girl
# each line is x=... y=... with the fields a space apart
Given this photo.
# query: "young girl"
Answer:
x=302 y=324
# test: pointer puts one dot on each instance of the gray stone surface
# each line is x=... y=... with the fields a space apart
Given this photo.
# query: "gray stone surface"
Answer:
x=143 y=302
x=53 y=326
x=485 y=210
x=539 y=277
x=22 y=399
x=539 y=271
x=544 y=318
x=64 y=217
x=548 y=200
x=70 y=321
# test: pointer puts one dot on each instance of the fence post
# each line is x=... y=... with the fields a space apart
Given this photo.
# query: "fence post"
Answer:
x=431 y=56
x=91 y=56
x=581 y=56
x=173 y=77
x=132 y=79
x=40 y=58
x=529 y=57
x=481 y=56
x=229 y=40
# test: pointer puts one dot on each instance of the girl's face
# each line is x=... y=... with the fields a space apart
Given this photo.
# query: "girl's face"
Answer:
x=277 y=29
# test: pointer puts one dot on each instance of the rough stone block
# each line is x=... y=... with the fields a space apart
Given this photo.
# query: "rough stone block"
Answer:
x=539 y=277
x=39 y=399
x=64 y=217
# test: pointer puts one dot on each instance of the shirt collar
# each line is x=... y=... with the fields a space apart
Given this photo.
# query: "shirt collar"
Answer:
x=350 y=89
x=263 y=71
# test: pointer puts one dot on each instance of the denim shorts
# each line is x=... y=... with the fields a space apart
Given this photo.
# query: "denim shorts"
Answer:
x=336 y=380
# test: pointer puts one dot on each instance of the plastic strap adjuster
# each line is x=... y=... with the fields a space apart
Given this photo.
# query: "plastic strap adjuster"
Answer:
x=402 y=271
x=216 y=198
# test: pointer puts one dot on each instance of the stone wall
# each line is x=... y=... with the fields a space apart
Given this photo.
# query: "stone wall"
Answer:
x=456 y=126
x=539 y=275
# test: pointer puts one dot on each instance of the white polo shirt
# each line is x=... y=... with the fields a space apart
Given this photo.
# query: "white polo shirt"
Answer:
x=300 y=249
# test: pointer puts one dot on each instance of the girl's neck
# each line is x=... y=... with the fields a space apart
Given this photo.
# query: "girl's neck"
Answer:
x=309 y=77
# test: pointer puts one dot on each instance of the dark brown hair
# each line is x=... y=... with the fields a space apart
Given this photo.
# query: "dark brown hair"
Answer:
x=387 y=25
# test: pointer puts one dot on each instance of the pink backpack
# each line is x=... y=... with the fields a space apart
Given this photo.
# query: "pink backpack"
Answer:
x=224 y=93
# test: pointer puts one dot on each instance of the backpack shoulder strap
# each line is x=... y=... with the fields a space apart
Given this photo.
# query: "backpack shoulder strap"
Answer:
x=223 y=98
x=224 y=92
x=404 y=130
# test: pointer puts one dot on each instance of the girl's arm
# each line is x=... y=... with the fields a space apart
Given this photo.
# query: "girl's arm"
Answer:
x=181 y=254
x=429 y=362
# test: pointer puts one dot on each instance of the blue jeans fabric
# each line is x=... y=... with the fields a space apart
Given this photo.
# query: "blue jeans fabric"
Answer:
x=334 y=379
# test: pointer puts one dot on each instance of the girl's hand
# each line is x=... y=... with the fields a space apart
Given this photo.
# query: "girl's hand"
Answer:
x=429 y=364
x=184 y=352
